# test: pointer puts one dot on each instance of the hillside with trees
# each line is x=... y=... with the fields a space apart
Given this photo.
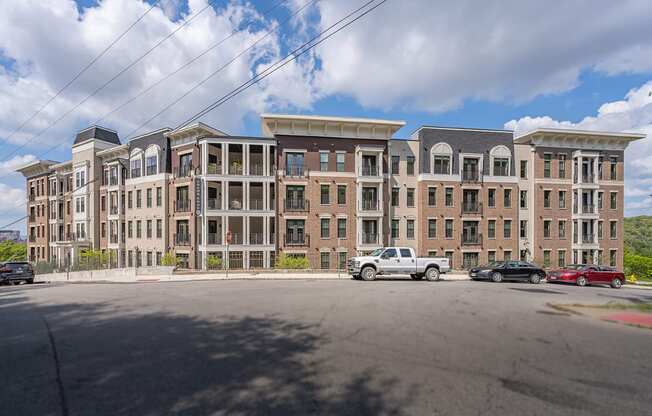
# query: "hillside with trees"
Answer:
x=638 y=247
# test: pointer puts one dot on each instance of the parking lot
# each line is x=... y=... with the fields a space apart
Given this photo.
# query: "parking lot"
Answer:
x=318 y=347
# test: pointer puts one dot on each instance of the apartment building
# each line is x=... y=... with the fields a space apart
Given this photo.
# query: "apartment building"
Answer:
x=328 y=188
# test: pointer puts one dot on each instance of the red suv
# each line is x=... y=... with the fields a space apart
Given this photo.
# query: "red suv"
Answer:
x=586 y=274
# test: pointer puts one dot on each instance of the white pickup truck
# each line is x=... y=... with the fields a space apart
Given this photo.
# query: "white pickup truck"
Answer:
x=397 y=260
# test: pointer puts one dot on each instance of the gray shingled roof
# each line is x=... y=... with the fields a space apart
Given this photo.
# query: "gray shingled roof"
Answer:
x=99 y=133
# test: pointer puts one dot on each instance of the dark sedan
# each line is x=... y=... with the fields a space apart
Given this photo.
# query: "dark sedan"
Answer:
x=508 y=270
x=16 y=272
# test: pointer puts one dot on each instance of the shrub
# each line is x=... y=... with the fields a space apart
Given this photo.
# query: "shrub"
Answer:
x=285 y=261
x=639 y=267
x=169 y=259
x=214 y=262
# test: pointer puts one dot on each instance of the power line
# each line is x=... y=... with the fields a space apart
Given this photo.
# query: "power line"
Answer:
x=280 y=64
x=84 y=69
x=116 y=76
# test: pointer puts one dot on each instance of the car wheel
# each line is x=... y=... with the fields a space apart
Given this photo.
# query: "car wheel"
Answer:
x=432 y=274
x=581 y=281
x=616 y=283
x=535 y=279
x=30 y=281
x=497 y=277
x=368 y=274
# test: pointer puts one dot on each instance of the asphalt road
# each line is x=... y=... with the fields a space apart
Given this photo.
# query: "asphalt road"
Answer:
x=318 y=347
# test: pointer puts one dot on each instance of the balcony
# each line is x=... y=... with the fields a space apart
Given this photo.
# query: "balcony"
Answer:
x=182 y=239
x=214 y=169
x=371 y=170
x=296 y=205
x=471 y=208
x=256 y=204
x=297 y=239
x=588 y=239
x=214 y=238
x=113 y=239
x=184 y=171
x=32 y=197
x=235 y=168
x=236 y=238
x=369 y=238
x=113 y=181
x=182 y=205
x=369 y=205
x=113 y=210
x=256 y=170
x=256 y=238
x=588 y=209
x=32 y=218
x=214 y=203
x=31 y=238
x=296 y=171
x=471 y=239
x=470 y=176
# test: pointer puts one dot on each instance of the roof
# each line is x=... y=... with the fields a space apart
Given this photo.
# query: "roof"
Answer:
x=195 y=129
x=574 y=133
x=99 y=133
x=328 y=126
x=416 y=131
x=38 y=167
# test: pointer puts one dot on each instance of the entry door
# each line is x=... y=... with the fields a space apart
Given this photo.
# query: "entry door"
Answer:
x=389 y=261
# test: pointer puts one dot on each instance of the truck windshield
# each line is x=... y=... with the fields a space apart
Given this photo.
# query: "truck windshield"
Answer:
x=376 y=252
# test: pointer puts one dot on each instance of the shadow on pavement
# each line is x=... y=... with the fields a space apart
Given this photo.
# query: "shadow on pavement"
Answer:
x=120 y=362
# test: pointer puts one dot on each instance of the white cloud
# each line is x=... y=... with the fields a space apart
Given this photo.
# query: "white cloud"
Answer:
x=10 y=166
x=13 y=201
x=633 y=114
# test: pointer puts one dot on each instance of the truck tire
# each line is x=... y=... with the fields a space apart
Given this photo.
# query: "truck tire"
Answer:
x=368 y=273
x=417 y=276
x=432 y=274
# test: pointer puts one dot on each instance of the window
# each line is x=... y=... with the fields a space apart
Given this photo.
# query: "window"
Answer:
x=159 y=228
x=341 y=260
x=340 y=161
x=323 y=161
x=613 y=163
x=149 y=258
x=432 y=253
x=449 y=256
x=546 y=198
x=613 y=229
x=432 y=228
x=449 y=197
x=130 y=258
x=139 y=196
x=523 y=228
x=103 y=203
x=562 y=166
x=523 y=169
x=449 y=228
x=185 y=165
x=138 y=229
x=325 y=227
x=135 y=167
x=507 y=229
x=523 y=199
x=395 y=164
x=130 y=233
x=410 y=165
x=546 y=164
x=341 y=228
x=501 y=166
x=325 y=198
x=491 y=229
x=507 y=198
x=159 y=196
x=325 y=260
x=561 y=258
x=562 y=199
x=432 y=196
x=341 y=194
x=148 y=228
x=491 y=256
x=130 y=195
x=612 y=257
x=491 y=198
x=562 y=229
x=395 y=193
x=151 y=166
x=395 y=225
x=410 y=229
x=410 y=197
x=441 y=165
x=600 y=257
x=159 y=256
x=614 y=200
x=600 y=198
x=149 y=197
x=546 y=228
x=546 y=259
x=507 y=255
x=600 y=230
x=103 y=230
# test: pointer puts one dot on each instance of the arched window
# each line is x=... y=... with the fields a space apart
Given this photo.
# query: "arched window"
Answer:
x=151 y=160
x=441 y=155
x=136 y=163
x=501 y=158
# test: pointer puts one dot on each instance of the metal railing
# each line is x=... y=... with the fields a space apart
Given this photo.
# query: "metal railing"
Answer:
x=369 y=171
x=31 y=238
x=214 y=203
x=588 y=209
x=235 y=168
x=182 y=239
x=296 y=204
x=471 y=208
x=256 y=170
x=296 y=171
x=182 y=205
x=113 y=239
x=235 y=204
x=369 y=205
x=471 y=239
x=588 y=239
x=470 y=175
x=32 y=197
x=256 y=204
x=32 y=218
x=114 y=210
x=256 y=238
x=183 y=171
x=214 y=169
x=297 y=239
x=369 y=238
x=214 y=238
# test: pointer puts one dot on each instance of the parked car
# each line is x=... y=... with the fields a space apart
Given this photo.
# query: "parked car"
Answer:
x=397 y=260
x=508 y=270
x=588 y=274
x=16 y=272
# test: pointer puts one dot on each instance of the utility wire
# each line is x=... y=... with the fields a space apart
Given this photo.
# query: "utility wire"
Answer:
x=84 y=69
x=116 y=76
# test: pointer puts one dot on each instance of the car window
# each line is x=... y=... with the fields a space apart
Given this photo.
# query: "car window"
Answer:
x=390 y=252
x=513 y=264
x=405 y=252
x=524 y=264
x=16 y=266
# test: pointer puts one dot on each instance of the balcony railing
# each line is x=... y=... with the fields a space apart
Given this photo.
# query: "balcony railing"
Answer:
x=369 y=205
x=31 y=238
x=471 y=208
x=214 y=203
x=113 y=181
x=297 y=239
x=182 y=239
x=369 y=171
x=214 y=169
x=235 y=169
x=236 y=238
x=32 y=197
x=256 y=170
x=184 y=171
x=470 y=175
x=471 y=239
x=214 y=238
x=588 y=239
x=113 y=210
x=182 y=205
x=32 y=218
x=297 y=205
x=113 y=239
x=256 y=238
x=588 y=209
x=296 y=171
x=256 y=204
x=235 y=204
x=369 y=238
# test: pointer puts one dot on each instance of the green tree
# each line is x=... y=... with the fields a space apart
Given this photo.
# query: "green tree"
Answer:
x=10 y=251
x=285 y=261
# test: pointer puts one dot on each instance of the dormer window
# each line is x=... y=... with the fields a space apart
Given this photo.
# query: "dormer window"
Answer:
x=151 y=164
x=136 y=163
x=135 y=168
x=441 y=156
x=501 y=166
x=500 y=160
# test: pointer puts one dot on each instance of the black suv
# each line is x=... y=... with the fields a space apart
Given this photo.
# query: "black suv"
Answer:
x=16 y=272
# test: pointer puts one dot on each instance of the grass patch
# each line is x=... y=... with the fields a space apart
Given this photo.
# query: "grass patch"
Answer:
x=639 y=307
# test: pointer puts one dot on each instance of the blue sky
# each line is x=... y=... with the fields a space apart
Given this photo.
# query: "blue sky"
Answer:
x=517 y=64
